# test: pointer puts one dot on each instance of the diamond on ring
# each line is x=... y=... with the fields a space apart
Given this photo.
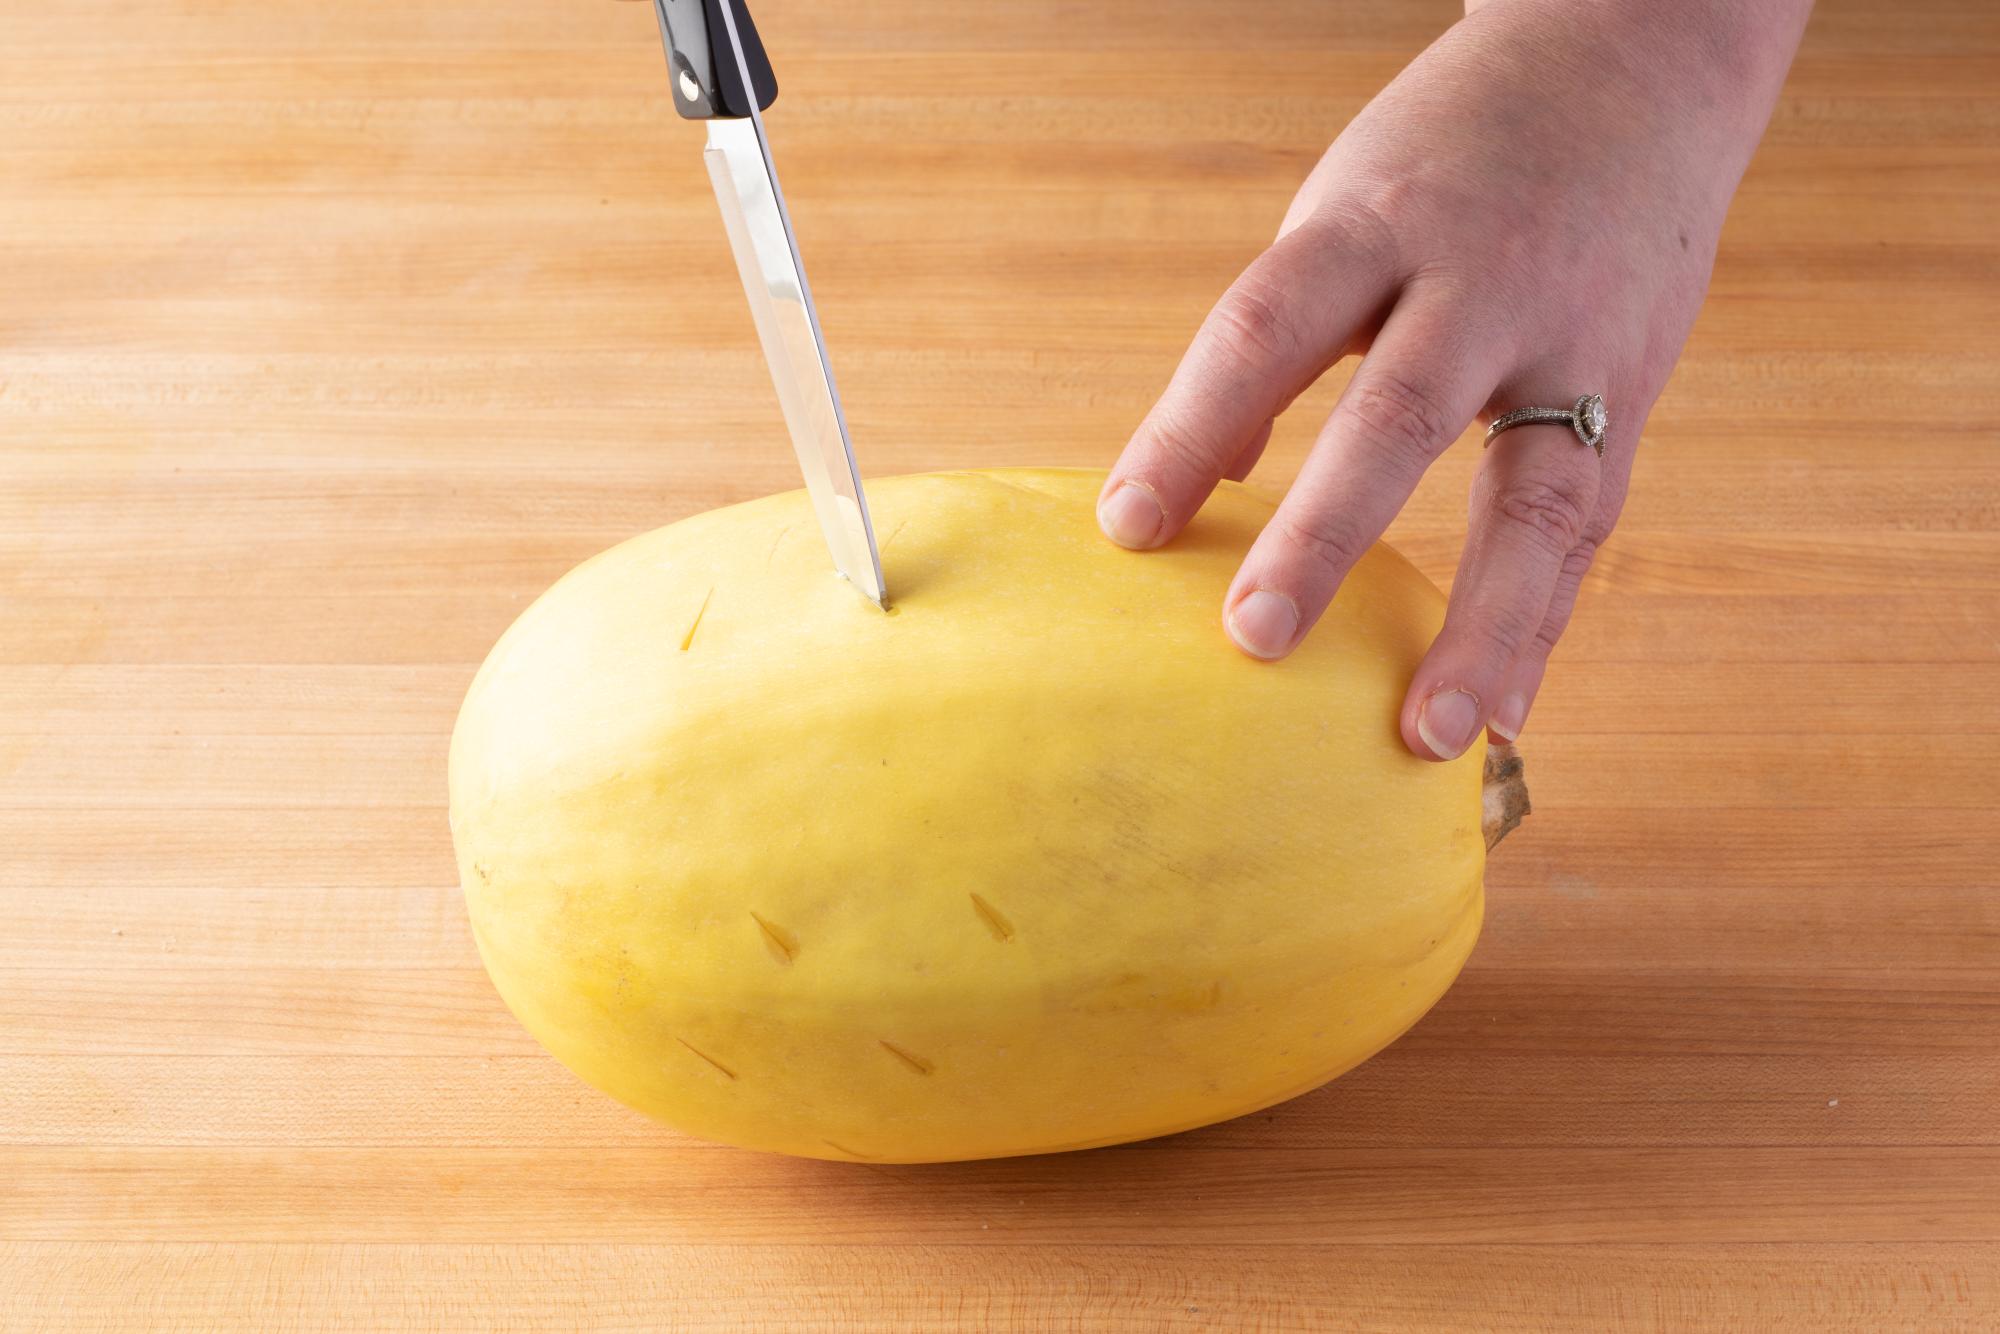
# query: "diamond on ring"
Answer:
x=1591 y=420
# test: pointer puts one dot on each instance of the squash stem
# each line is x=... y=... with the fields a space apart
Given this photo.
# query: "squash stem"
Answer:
x=1506 y=793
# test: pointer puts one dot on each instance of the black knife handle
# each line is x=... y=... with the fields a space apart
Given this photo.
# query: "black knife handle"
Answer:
x=701 y=66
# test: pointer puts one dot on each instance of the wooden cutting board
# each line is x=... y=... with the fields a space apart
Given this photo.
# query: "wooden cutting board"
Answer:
x=330 y=334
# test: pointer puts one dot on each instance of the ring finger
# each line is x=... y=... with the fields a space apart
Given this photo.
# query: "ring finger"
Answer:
x=1533 y=502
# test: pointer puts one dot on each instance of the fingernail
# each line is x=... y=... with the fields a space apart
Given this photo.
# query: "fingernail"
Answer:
x=1447 y=722
x=1511 y=716
x=1131 y=517
x=1264 y=623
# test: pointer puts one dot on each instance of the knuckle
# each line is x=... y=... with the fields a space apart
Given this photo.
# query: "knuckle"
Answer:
x=1577 y=563
x=1327 y=549
x=1180 y=447
x=1502 y=633
x=1369 y=226
x=1251 y=322
x=1552 y=506
x=1401 y=415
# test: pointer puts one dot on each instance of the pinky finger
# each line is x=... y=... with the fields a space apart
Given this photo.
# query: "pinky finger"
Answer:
x=1510 y=715
x=1253 y=451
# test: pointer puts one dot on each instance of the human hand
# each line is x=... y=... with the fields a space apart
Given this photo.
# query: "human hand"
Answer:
x=1526 y=215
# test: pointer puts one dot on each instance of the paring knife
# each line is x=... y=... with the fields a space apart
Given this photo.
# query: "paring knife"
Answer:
x=717 y=62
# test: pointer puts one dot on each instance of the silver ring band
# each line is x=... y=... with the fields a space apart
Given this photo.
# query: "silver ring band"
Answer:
x=1588 y=418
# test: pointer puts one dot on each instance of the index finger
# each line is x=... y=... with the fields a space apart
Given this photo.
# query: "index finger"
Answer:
x=1284 y=321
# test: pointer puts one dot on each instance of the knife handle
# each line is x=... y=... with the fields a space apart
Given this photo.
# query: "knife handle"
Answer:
x=705 y=81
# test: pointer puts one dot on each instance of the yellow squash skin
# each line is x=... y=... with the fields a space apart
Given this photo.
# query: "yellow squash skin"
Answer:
x=1036 y=861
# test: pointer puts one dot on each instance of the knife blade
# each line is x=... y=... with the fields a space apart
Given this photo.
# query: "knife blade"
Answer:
x=720 y=75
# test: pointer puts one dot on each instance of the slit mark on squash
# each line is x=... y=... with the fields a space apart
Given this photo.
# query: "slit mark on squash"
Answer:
x=706 y=1057
x=1002 y=929
x=892 y=533
x=701 y=611
x=909 y=1058
x=776 y=542
x=784 y=945
x=1014 y=485
x=851 y=1153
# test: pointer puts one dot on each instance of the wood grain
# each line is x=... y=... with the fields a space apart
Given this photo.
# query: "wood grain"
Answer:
x=330 y=335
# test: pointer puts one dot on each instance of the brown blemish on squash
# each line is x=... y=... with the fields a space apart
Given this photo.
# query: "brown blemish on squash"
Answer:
x=784 y=945
x=701 y=611
x=706 y=1057
x=1193 y=1000
x=1002 y=929
x=909 y=1058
